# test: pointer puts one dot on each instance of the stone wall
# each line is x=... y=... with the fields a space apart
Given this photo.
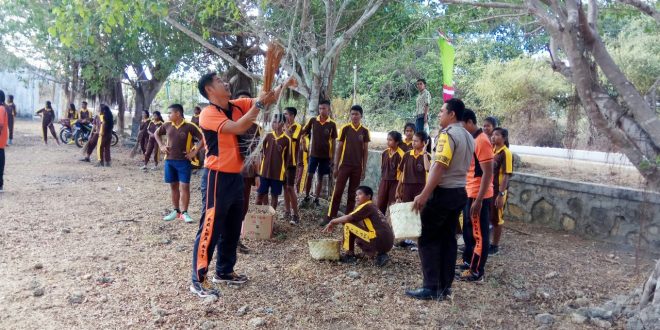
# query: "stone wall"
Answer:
x=607 y=213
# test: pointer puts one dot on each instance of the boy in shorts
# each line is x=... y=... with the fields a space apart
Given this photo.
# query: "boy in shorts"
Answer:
x=275 y=159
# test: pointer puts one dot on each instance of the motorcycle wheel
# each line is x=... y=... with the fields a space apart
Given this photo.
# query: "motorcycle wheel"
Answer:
x=115 y=139
x=65 y=135
x=79 y=138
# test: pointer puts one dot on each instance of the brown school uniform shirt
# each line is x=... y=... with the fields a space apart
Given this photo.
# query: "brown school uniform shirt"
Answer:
x=47 y=115
x=293 y=132
x=195 y=120
x=11 y=110
x=179 y=138
x=85 y=114
x=352 y=153
x=405 y=146
x=412 y=167
x=71 y=114
x=371 y=217
x=389 y=166
x=276 y=156
x=322 y=135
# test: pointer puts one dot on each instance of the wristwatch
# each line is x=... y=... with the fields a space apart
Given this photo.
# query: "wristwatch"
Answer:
x=259 y=105
x=502 y=193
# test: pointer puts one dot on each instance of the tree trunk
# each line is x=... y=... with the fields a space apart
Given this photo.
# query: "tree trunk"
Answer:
x=145 y=93
x=121 y=106
x=651 y=291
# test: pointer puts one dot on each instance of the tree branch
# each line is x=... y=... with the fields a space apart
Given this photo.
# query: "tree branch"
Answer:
x=501 y=5
x=644 y=8
x=490 y=18
x=212 y=48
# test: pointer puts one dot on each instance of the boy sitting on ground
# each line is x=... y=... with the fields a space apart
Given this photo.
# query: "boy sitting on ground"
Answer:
x=367 y=227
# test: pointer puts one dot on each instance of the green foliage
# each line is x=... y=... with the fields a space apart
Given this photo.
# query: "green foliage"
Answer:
x=636 y=49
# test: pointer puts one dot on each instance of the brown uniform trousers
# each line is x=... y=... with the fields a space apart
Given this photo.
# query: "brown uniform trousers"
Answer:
x=386 y=194
x=91 y=143
x=104 y=147
x=352 y=175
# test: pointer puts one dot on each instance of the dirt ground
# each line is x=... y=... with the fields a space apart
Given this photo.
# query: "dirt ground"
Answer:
x=85 y=247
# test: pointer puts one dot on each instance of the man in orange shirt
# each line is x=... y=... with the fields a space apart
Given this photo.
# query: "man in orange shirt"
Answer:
x=477 y=210
x=4 y=135
x=222 y=121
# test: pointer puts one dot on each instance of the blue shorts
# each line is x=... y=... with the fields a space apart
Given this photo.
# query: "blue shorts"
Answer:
x=177 y=171
x=322 y=164
x=275 y=186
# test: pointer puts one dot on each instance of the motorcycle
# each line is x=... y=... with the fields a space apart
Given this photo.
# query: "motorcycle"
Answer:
x=82 y=132
x=66 y=133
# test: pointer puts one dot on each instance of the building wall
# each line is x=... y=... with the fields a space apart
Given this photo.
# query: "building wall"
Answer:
x=31 y=92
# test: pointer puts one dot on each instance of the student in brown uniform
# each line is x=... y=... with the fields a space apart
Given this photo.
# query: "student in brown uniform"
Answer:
x=154 y=124
x=351 y=162
x=323 y=133
x=408 y=133
x=275 y=159
x=414 y=168
x=93 y=138
x=195 y=117
x=389 y=171
x=502 y=171
x=200 y=153
x=292 y=130
x=4 y=136
x=489 y=126
x=303 y=164
x=11 y=116
x=84 y=115
x=143 y=135
x=179 y=152
x=47 y=118
x=105 y=137
x=365 y=227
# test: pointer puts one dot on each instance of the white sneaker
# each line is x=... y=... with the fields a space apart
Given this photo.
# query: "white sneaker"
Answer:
x=143 y=167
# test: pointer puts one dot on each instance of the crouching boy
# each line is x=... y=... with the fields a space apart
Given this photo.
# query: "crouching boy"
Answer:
x=365 y=227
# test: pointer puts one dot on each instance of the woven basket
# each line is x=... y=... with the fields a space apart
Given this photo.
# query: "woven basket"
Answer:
x=405 y=223
x=324 y=249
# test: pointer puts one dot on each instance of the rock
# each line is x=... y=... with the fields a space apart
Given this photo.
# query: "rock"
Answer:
x=66 y=230
x=581 y=302
x=353 y=274
x=551 y=275
x=76 y=298
x=38 y=292
x=578 y=318
x=103 y=299
x=267 y=310
x=601 y=323
x=38 y=266
x=208 y=325
x=210 y=299
x=600 y=313
x=545 y=319
x=159 y=312
x=243 y=310
x=611 y=255
x=257 y=322
x=180 y=248
x=104 y=280
x=521 y=295
x=87 y=276
x=165 y=241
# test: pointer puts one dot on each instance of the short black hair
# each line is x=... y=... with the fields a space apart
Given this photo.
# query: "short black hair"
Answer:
x=422 y=135
x=176 y=107
x=10 y=97
x=2 y=96
x=457 y=107
x=278 y=117
x=366 y=190
x=204 y=81
x=84 y=102
x=421 y=80
x=411 y=125
x=48 y=104
x=291 y=110
x=492 y=120
x=326 y=102
x=468 y=114
x=197 y=108
x=358 y=109
x=146 y=112
x=395 y=135
x=243 y=93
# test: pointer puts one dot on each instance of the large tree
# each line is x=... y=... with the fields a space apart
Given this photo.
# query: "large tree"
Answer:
x=613 y=105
